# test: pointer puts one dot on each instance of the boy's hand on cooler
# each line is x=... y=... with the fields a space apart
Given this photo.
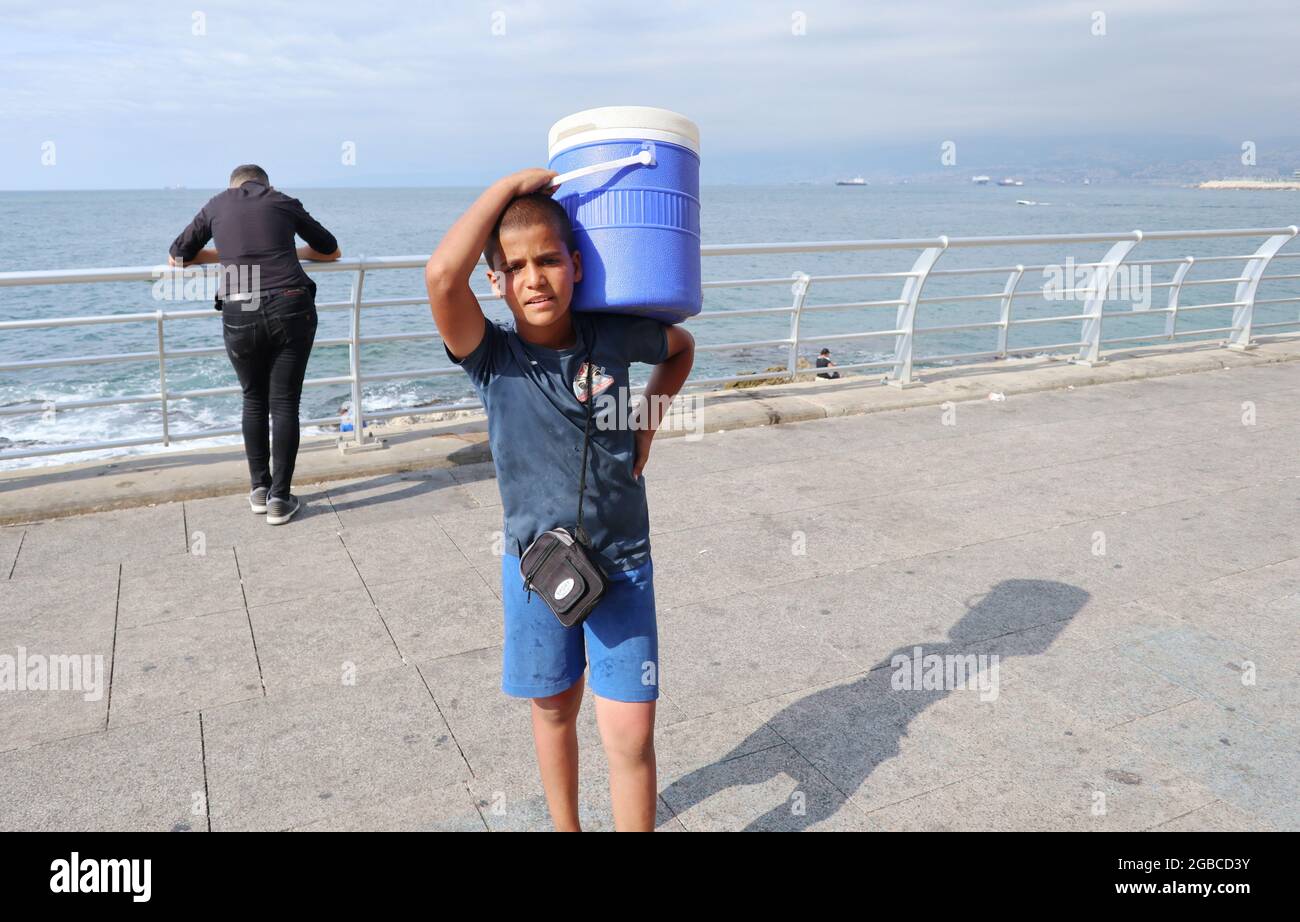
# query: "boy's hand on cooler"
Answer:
x=533 y=179
x=644 y=438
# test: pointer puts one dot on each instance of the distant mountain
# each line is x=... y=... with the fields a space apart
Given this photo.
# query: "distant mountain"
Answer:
x=1179 y=160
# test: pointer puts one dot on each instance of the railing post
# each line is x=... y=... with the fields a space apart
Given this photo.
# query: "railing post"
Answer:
x=1008 y=296
x=360 y=440
x=162 y=378
x=354 y=357
x=800 y=290
x=906 y=324
x=1175 y=287
x=1244 y=314
x=1090 y=339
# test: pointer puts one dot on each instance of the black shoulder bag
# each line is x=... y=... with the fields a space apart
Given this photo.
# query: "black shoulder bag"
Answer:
x=558 y=565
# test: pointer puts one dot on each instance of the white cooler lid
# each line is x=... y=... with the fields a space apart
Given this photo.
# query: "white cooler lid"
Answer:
x=612 y=123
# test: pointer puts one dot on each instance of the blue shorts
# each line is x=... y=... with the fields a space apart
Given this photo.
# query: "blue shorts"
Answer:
x=619 y=640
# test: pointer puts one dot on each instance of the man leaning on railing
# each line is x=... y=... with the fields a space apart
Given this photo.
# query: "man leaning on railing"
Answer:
x=268 y=309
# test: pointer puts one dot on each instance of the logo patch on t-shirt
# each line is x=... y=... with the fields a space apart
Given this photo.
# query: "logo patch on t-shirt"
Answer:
x=600 y=382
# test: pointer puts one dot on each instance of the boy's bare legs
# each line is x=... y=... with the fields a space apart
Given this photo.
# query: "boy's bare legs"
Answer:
x=627 y=728
x=555 y=733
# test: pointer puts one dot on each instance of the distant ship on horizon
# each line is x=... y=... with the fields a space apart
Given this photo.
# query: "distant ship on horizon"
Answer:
x=1010 y=182
x=980 y=180
x=855 y=181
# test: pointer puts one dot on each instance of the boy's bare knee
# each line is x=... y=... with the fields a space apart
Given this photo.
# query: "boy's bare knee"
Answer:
x=630 y=748
x=560 y=708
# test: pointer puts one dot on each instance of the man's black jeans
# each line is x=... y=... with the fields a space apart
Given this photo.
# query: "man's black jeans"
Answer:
x=269 y=348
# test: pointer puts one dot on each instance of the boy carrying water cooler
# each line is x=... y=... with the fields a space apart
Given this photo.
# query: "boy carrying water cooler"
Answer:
x=532 y=380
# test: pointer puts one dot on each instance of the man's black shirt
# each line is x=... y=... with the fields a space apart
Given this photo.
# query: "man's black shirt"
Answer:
x=253 y=226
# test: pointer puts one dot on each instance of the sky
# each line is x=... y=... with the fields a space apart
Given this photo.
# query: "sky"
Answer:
x=149 y=94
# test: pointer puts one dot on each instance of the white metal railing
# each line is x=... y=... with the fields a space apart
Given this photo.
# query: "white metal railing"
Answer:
x=904 y=332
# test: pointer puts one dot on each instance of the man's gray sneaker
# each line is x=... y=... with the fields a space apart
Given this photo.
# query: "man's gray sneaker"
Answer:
x=257 y=499
x=279 y=511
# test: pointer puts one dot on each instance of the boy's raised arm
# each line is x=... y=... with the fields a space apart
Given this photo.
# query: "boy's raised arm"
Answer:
x=665 y=381
x=447 y=273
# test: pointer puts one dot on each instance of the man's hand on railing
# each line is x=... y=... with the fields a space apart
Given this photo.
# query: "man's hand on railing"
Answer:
x=310 y=255
x=201 y=257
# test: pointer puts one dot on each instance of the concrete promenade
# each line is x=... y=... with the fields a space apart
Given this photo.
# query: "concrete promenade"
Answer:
x=1129 y=551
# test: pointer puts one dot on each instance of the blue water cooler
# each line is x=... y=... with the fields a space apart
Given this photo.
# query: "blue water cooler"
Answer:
x=630 y=181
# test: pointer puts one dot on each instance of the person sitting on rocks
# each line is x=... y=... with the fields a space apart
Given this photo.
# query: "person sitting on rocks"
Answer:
x=824 y=361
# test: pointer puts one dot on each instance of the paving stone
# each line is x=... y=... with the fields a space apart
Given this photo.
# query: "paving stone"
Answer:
x=278 y=573
x=326 y=639
x=11 y=539
x=479 y=480
x=401 y=550
x=223 y=521
x=1253 y=685
x=410 y=495
x=1270 y=583
x=145 y=533
x=493 y=730
x=178 y=586
x=1269 y=627
x=1249 y=770
x=450 y=611
x=750 y=650
x=145 y=777
x=448 y=809
x=322 y=752
x=772 y=790
x=1215 y=817
x=183 y=665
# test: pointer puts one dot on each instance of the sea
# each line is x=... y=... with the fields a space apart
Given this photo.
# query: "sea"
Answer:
x=92 y=229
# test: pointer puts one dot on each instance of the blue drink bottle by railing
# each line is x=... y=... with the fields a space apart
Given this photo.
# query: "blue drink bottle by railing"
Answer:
x=630 y=181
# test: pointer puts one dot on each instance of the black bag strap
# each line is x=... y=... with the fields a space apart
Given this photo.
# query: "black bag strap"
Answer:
x=582 y=477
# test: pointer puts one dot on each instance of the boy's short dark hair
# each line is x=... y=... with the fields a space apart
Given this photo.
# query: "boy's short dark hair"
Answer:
x=248 y=171
x=825 y=352
x=526 y=210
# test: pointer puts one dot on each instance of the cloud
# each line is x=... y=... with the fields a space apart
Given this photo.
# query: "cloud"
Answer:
x=153 y=92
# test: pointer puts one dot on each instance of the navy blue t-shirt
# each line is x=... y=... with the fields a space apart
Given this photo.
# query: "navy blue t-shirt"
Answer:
x=536 y=420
